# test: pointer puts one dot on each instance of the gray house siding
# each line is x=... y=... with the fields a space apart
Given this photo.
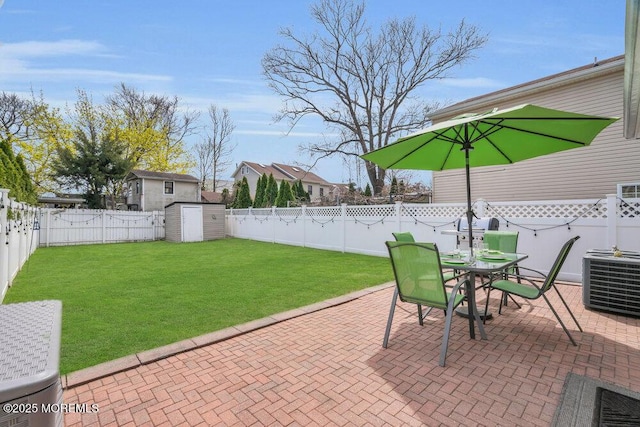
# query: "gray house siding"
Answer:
x=155 y=199
x=590 y=172
x=146 y=192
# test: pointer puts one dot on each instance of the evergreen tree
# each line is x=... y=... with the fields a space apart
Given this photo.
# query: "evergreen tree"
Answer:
x=394 y=186
x=14 y=175
x=299 y=193
x=236 y=195
x=284 y=194
x=226 y=198
x=261 y=189
x=271 y=191
x=401 y=187
x=367 y=190
x=244 y=194
x=95 y=164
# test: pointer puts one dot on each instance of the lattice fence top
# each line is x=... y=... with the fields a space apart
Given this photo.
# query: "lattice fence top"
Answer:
x=328 y=211
x=628 y=208
x=590 y=209
x=261 y=212
x=581 y=209
x=373 y=210
x=288 y=212
x=433 y=211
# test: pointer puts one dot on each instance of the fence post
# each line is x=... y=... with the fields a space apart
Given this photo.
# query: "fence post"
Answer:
x=482 y=206
x=104 y=226
x=4 y=249
x=48 y=231
x=273 y=216
x=399 y=216
x=304 y=226
x=612 y=220
x=344 y=226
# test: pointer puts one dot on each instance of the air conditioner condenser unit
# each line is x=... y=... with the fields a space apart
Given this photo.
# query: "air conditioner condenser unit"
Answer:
x=611 y=283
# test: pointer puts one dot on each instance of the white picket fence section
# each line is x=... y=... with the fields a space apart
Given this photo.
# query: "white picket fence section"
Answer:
x=61 y=227
x=544 y=226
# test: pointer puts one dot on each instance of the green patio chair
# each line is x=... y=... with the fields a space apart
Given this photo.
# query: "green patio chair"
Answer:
x=419 y=280
x=504 y=241
x=530 y=290
x=406 y=236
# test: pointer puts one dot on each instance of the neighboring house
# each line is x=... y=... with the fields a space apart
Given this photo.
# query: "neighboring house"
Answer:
x=74 y=201
x=152 y=191
x=222 y=184
x=608 y=166
x=210 y=197
x=316 y=186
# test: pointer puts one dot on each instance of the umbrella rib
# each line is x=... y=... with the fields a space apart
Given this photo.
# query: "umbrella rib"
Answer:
x=437 y=136
x=573 y=141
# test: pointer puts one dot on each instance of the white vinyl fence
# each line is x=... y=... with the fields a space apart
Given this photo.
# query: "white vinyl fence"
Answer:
x=18 y=239
x=543 y=226
x=60 y=227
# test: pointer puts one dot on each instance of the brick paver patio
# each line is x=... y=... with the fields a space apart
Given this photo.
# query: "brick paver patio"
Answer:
x=328 y=368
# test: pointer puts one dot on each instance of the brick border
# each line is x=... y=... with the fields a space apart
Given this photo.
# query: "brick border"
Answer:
x=92 y=373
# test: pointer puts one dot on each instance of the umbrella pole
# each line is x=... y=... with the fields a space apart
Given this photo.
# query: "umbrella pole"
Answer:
x=469 y=211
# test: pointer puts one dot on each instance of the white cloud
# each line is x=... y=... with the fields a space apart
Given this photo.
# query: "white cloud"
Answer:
x=237 y=102
x=39 y=49
x=18 y=64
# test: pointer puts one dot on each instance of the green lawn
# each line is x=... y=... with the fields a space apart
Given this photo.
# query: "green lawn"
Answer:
x=119 y=299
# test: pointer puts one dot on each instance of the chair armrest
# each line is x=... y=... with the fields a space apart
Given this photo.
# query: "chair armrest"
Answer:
x=525 y=278
x=458 y=285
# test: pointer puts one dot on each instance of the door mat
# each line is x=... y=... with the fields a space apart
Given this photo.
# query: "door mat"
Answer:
x=590 y=402
x=615 y=409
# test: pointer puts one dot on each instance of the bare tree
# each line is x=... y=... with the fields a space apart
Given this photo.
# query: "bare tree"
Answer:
x=14 y=116
x=154 y=126
x=204 y=160
x=218 y=142
x=362 y=84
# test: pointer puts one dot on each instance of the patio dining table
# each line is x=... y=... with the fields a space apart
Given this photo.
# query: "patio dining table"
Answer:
x=488 y=263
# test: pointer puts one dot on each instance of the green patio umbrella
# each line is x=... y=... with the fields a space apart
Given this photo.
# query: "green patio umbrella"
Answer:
x=493 y=138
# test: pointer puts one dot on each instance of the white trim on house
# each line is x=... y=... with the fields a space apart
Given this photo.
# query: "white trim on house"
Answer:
x=624 y=194
x=632 y=71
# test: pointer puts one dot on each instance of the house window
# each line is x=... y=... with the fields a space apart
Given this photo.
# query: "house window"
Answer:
x=629 y=190
x=310 y=189
x=245 y=170
x=137 y=187
x=168 y=187
x=321 y=192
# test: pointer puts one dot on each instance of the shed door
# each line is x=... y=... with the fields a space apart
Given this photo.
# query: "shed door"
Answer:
x=192 y=224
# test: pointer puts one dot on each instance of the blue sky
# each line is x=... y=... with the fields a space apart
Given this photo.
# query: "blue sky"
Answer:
x=209 y=52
